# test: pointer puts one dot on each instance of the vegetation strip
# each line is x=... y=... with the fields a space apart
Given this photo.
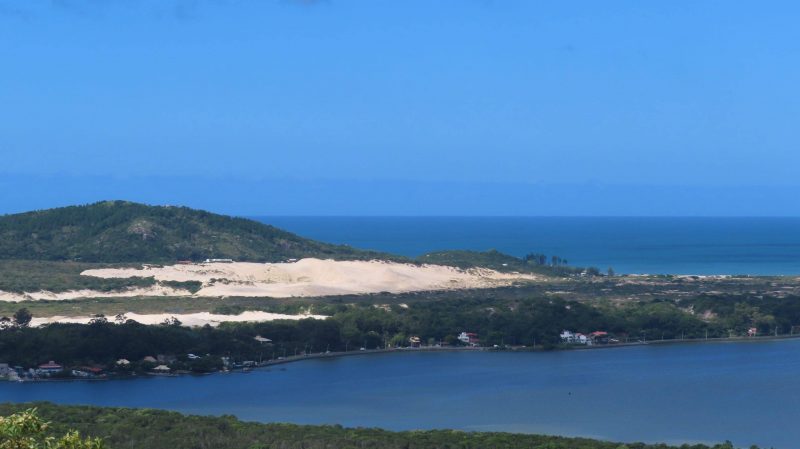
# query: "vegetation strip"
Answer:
x=155 y=429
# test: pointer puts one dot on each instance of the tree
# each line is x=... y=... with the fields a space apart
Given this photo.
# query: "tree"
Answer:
x=611 y=272
x=23 y=317
x=171 y=321
x=25 y=430
x=99 y=319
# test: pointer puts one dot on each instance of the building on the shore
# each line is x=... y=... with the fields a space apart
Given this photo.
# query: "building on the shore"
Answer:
x=4 y=369
x=469 y=338
x=414 y=341
x=49 y=368
x=574 y=338
x=599 y=337
x=567 y=336
x=218 y=261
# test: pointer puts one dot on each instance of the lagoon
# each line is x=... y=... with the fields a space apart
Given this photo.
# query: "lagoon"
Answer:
x=746 y=392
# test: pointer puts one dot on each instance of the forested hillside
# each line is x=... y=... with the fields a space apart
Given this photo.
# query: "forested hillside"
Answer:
x=120 y=231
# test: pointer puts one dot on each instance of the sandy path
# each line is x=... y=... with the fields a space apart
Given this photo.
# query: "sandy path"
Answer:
x=77 y=294
x=188 y=319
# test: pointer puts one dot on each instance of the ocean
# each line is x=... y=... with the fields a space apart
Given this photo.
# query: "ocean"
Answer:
x=634 y=245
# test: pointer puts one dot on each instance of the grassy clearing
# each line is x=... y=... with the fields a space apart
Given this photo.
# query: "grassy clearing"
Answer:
x=19 y=276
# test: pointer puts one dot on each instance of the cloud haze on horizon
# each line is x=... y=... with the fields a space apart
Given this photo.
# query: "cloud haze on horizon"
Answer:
x=407 y=108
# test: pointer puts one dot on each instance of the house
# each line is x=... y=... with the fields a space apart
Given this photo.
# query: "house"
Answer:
x=567 y=337
x=4 y=370
x=161 y=369
x=149 y=359
x=573 y=338
x=261 y=339
x=92 y=370
x=124 y=362
x=193 y=356
x=752 y=332
x=415 y=341
x=599 y=337
x=49 y=368
x=469 y=338
x=218 y=261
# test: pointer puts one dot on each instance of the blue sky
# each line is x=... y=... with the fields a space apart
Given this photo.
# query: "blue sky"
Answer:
x=466 y=107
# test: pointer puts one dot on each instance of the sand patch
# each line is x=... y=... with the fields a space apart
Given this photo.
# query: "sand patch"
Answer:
x=187 y=319
x=155 y=290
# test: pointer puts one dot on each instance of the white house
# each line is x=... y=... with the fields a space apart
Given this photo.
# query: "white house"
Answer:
x=575 y=338
x=567 y=337
x=469 y=338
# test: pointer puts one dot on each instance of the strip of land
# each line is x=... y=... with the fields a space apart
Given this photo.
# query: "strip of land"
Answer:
x=155 y=429
x=186 y=319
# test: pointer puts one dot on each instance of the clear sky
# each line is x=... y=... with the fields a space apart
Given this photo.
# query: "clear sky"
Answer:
x=422 y=107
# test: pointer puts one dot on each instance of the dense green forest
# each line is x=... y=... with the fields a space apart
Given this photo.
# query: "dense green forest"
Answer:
x=513 y=322
x=120 y=231
x=155 y=429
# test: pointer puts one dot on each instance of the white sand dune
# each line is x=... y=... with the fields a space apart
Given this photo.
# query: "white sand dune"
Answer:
x=315 y=277
x=188 y=319
x=304 y=278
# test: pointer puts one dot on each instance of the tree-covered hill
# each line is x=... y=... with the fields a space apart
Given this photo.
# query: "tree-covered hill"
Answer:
x=121 y=231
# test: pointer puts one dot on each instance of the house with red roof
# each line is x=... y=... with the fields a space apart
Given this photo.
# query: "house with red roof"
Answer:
x=49 y=368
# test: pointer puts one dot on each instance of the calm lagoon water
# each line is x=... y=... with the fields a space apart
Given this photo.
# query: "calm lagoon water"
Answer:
x=746 y=392
x=764 y=246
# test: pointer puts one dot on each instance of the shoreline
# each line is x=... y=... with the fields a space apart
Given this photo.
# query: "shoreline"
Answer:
x=431 y=349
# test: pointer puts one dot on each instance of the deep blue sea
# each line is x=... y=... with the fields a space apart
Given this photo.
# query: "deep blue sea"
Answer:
x=757 y=246
x=746 y=392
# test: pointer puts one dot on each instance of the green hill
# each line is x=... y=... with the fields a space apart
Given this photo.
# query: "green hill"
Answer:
x=121 y=231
